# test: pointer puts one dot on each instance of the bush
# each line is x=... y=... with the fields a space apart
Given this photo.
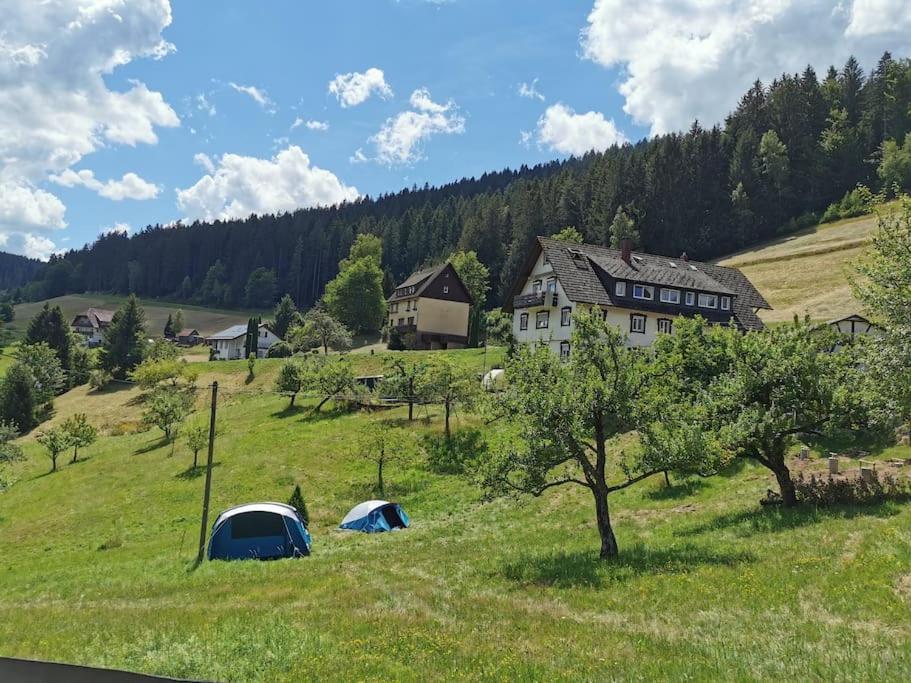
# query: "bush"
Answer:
x=455 y=456
x=396 y=343
x=827 y=491
x=803 y=221
x=298 y=503
x=280 y=350
x=857 y=202
x=99 y=379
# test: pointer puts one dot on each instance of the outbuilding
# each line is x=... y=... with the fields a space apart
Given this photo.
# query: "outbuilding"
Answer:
x=373 y=516
x=261 y=531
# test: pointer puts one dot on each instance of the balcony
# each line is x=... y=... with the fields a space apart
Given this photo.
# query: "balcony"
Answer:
x=529 y=300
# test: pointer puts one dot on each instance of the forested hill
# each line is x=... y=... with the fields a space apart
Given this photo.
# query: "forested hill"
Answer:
x=789 y=148
x=16 y=270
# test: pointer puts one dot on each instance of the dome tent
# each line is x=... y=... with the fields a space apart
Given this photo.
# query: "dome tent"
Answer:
x=261 y=531
x=373 y=516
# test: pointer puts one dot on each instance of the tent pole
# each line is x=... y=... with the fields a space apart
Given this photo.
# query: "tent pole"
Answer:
x=205 y=499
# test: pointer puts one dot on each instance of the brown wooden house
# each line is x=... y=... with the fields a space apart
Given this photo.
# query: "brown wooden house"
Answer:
x=430 y=309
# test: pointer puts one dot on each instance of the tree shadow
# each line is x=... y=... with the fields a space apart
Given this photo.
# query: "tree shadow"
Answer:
x=775 y=518
x=312 y=416
x=153 y=446
x=115 y=386
x=195 y=472
x=683 y=489
x=249 y=379
x=289 y=411
x=585 y=568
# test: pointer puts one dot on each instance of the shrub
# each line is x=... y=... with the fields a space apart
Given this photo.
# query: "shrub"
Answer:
x=280 y=349
x=298 y=503
x=99 y=379
x=825 y=491
x=455 y=455
x=857 y=202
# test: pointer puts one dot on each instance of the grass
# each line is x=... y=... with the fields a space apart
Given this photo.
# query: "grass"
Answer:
x=206 y=320
x=96 y=566
x=808 y=272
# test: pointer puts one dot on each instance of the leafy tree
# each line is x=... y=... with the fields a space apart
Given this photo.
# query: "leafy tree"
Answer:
x=213 y=287
x=160 y=349
x=333 y=379
x=50 y=327
x=81 y=434
x=260 y=289
x=7 y=312
x=355 y=297
x=169 y=328
x=45 y=368
x=773 y=155
x=284 y=315
x=395 y=343
x=197 y=436
x=251 y=366
x=179 y=323
x=563 y=420
x=623 y=228
x=186 y=288
x=280 y=349
x=297 y=502
x=55 y=441
x=569 y=234
x=382 y=443
x=476 y=278
x=81 y=365
x=895 y=168
x=124 y=339
x=99 y=379
x=449 y=384
x=499 y=329
x=17 y=396
x=167 y=409
x=364 y=246
x=171 y=373
x=293 y=376
x=403 y=381
x=319 y=328
x=9 y=451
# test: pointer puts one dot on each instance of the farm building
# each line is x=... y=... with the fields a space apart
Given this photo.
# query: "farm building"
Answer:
x=430 y=309
x=91 y=325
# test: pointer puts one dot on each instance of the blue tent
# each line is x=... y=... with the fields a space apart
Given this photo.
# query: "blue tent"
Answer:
x=262 y=531
x=373 y=516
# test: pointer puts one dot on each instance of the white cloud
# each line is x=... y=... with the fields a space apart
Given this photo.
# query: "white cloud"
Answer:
x=55 y=105
x=400 y=139
x=688 y=59
x=312 y=124
x=565 y=131
x=530 y=91
x=122 y=228
x=242 y=185
x=203 y=159
x=203 y=105
x=355 y=88
x=256 y=94
x=131 y=186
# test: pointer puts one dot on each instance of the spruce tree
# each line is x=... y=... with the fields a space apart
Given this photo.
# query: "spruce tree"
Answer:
x=298 y=503
x=169 y=327
x=124 y=340
x=17 y=397
x=49 y=326
x=285 y=311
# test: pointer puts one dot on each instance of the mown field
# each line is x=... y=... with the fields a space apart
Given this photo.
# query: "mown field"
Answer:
x=96 y=565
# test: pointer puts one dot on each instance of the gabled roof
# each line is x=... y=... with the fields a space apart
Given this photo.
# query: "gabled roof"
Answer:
x=188 y=332
x=98 y=317
x=586 y=270
x=422 y=279
x=854 y=317
x=232 y=332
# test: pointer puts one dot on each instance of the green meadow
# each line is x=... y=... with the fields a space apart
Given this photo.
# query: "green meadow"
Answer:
x=96 y=563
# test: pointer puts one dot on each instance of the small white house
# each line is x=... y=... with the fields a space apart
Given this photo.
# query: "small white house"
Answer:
x=229 y=344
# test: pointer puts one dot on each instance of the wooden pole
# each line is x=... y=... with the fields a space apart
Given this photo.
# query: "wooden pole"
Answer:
x=205 y=499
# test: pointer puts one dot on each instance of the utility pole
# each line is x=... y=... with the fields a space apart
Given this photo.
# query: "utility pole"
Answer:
x=205 y=499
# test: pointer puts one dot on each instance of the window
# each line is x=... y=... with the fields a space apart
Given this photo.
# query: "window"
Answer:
x=564 y=350
x=565 y=316
x=445 y=289
x=551 y=285
x=725 y=303
x=542 y=320
x=620 y=288
x=523 y=321
x=690 y=298
x=670 y=296
x=411 y=320
x=391 y=322
x=536 y=286
x=708 y=301
x=393 y=308
x=643 y=292
x=401 y=321
x=408 y=305
x=665 y=325
x=637 y=323
x=545 y=260
x=414 y=305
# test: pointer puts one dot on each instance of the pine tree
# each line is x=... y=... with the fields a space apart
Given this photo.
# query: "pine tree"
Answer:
x=284 y=314
x=49 y=326
x=17 y=397
x=124 y=340
x=298 y=503
x=169 y=328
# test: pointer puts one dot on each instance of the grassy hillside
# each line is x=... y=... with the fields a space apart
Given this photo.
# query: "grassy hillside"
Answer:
x=96 y=566
x=206 y=320
x=808 y=271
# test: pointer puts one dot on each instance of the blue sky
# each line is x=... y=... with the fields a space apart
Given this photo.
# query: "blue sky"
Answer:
x=115 y=114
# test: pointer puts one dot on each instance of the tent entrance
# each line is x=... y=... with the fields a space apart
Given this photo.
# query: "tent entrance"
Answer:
x=392 y=517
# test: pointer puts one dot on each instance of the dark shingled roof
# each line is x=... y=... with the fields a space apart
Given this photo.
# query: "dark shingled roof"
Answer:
x=583 y=268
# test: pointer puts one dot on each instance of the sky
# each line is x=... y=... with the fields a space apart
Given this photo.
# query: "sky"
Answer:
x=117 y=114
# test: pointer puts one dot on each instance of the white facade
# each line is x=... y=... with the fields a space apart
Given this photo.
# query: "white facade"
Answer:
x=229 y=345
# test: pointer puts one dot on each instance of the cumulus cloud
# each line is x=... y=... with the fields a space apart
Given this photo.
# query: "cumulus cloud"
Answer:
x=55 y=106
x=203 y=159
x=241 y=185
x=120 y=228
x=530 y=91
x=131 y=186
x=355 y=88
x=256 y=94
x=565 y=131
x=400 y=140
x=688 y=59
x=310 y=125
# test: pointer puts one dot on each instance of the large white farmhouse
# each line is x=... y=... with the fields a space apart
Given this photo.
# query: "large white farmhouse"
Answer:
x=642 y=294
x=229 y=344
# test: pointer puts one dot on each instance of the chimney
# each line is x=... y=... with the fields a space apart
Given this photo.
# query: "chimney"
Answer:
x=626 y=248
x=684 y=257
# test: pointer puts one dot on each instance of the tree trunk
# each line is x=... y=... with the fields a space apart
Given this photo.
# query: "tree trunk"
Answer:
x=786 y=485
x=53 y=463
x=379 y=477
x=411 y=400
x=667 y=479
x=325 y=348
x=75 y=453
x=446 y=428
x=293 y=396
x=609 y=547
x=322 y=403
x=195 y=454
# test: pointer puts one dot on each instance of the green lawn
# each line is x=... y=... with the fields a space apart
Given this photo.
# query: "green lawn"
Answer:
x=96 y=566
